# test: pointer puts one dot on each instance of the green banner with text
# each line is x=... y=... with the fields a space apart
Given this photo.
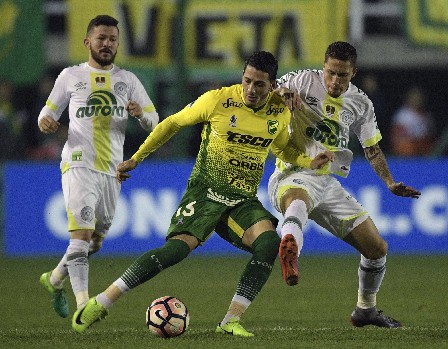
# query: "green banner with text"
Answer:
x=22 y=58
x=216 y=34
x=427 y=22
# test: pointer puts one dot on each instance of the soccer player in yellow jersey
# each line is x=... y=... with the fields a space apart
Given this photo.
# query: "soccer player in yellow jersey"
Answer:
x=241 y=124
x=100 y=96
x=331 y=108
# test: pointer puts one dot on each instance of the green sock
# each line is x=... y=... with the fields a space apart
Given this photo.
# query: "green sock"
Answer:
x=259 y=268
x=153 y=262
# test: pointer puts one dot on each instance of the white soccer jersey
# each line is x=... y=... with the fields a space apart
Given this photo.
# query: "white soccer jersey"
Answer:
x=324 y=122
x=97 y=100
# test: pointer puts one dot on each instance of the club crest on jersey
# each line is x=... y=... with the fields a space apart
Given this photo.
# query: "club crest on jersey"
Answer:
x=329 y=110
x=100 y=81
x=232 y=121
x=272 y=126
x=87 y=214
x=346 y=117
x=120 y=88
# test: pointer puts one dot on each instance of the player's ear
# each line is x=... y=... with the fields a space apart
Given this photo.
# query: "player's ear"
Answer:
x=355 y=70
x=273 y=84
x=86 y=42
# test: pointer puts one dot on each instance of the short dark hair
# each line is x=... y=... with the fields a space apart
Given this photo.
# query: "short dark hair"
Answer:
x=264 y=61
x=102 y=20
x=342 y=51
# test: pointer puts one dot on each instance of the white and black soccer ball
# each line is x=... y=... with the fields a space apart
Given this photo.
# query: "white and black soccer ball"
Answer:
x=167 y=317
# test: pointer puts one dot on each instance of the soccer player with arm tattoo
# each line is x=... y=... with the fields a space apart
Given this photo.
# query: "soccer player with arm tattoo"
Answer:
x=327 y=106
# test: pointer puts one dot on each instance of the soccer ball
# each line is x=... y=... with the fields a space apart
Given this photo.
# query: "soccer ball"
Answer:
x=167 y=317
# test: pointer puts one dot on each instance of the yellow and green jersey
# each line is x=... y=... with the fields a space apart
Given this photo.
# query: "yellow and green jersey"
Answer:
x=235 y=141
x=97 y=102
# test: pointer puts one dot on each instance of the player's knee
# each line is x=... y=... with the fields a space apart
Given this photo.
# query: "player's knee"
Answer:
x=378 y=251
x=94 y=247
x=268 y=242
x=383 y=249
x=96 y=242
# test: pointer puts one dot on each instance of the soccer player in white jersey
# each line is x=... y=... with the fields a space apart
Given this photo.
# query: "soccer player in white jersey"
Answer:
x=100 y=97
x=328 y=106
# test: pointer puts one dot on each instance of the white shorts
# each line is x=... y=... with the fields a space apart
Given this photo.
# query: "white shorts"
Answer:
x=333 y=208
x=90 y=199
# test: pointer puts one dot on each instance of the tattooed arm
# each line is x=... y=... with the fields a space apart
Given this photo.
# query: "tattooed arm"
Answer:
x=377 y=160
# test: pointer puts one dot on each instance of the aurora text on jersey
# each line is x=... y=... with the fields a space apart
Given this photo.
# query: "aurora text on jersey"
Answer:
x=99 y=103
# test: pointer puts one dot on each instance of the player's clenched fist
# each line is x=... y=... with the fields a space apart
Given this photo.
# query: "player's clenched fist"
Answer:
x=48 y=125
x=321 y=159
x=134 y=109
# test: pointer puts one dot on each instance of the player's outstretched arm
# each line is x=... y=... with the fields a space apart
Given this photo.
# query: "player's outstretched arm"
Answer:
x=401 y=189
x=377 y=160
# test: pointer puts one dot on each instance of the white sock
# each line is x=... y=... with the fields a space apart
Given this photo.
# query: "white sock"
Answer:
x=296 y=217
x=78 y=268
x=60 y=273
x=106 y=301
x=370 y=276
x=237 y=307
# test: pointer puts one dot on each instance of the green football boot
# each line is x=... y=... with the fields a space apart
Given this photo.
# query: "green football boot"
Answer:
x=58 y=295
x=88 y=315
x=234 y=328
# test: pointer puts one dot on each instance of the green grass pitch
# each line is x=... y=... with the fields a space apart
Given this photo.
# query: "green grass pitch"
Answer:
x=313 y=314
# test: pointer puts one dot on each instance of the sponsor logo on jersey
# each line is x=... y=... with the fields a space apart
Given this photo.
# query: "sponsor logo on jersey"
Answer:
x=100 y=103
x=327 y=132
x=311 y=100
x=274 y=110
x=120 y=88
x=77 y=155
x=231 y=103
x=81 y=85
x=246 y=164
x=235 y=137
x=213 y=195
x=233 y=121
x=272 y=126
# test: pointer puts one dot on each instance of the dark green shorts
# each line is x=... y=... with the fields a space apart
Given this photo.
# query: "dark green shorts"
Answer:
x=199 y=215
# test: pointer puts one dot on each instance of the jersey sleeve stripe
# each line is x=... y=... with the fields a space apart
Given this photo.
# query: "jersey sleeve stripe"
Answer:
x=51 y=106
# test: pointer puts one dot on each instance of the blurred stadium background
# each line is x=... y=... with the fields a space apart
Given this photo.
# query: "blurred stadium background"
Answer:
x=180 y=49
